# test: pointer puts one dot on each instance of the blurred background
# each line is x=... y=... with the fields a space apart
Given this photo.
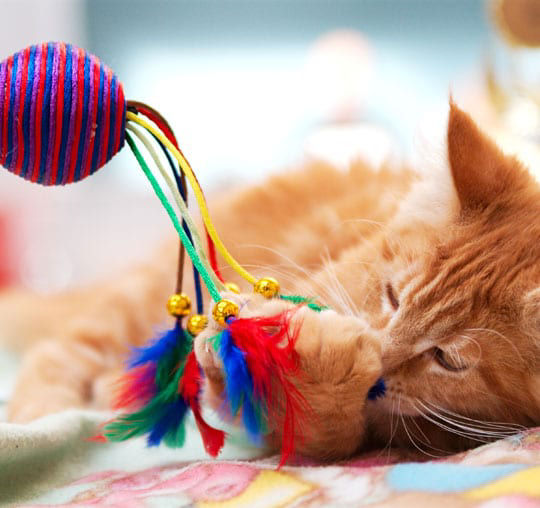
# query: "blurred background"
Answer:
x=253 y=87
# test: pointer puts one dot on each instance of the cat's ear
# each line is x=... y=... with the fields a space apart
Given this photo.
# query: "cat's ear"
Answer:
x=481 y=172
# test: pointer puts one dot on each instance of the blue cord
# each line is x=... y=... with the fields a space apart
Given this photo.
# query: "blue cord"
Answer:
x=178 y=179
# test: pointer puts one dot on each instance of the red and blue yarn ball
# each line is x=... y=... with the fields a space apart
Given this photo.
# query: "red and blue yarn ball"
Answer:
x=62 y=113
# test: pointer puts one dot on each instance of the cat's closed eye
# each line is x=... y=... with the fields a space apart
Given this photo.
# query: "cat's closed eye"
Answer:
x=448 y=361
x=392 y=298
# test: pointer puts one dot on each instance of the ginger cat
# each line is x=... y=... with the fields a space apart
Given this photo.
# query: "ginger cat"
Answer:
x=433 y=277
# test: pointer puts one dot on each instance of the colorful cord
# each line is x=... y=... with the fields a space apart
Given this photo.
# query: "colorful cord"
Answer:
x=196 y=240
x=201 y=201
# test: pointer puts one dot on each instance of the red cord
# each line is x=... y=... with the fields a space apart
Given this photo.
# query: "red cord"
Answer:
x=213 y=257
x=165 y=128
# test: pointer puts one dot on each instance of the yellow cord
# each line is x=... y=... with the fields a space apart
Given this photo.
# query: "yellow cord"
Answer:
x=198 y=195
x=181 y=205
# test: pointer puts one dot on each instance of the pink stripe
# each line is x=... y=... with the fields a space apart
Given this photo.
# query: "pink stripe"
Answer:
x=32 y=142
x=90 y=119
x=16 y=107
x=105 y=118
x=71 y=131
x=24 y=84
x=52 y=114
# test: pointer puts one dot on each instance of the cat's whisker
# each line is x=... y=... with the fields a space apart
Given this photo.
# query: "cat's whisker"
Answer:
x=297 y=282
x=401 y=417
x=325 y=293
x=381 y=225
x=334 y=289
x=468 y=429
x=364 y=238
x=479 y=348
x=340 y=290
x=372 y=242
x=510 y=427
x=393 y=427
x=500 y=335
x=444 y=424
x=289 y=260
x=461 y=429
x=426 y=440
x=423 y=415
x=413 y=442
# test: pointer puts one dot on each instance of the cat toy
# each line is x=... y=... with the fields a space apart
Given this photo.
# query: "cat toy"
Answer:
x=63 y=116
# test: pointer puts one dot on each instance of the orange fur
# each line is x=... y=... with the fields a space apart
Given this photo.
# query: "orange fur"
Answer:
x=437 y=290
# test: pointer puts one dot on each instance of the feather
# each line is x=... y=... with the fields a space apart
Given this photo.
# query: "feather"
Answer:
x=260 y=363
x=135 y=388
x=377 y=390
x=239 y=386
x=190 y=387
x=160 y=411
x=156 y=349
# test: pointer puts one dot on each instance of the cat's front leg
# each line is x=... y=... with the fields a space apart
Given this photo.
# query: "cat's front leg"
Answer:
x=340 y=359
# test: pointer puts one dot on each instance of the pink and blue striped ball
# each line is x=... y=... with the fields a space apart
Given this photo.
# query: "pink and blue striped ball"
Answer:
x=62 y=113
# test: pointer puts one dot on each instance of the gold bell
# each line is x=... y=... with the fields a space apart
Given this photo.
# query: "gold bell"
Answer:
x=268 y=287
x=223 y=310
x=232 y=287
x=179 y=305
x=196 y=324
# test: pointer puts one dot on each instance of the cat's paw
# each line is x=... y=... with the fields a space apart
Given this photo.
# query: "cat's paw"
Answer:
x=251 y=305
x=335 y=349
x=340 y=359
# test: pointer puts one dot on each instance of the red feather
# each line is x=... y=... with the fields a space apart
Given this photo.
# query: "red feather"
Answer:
x=189 y=387
x=135 y=388
x=273 y=362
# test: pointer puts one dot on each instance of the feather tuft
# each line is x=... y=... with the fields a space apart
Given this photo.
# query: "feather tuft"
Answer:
x=260 y=362
x=154 y=407
x=156 y=349
x=190 y=387
x=377 y=390
x=135 y=388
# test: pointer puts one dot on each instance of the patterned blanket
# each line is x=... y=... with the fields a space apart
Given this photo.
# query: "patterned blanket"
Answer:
x=501 y=474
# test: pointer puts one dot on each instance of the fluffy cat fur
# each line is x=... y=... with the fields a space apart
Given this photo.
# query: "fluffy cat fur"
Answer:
x=433 y=276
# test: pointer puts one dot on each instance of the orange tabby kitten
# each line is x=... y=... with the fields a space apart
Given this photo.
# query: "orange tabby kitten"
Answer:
x=433 y=277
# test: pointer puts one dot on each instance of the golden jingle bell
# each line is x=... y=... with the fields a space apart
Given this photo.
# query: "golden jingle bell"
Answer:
x=267 y=286
x=223 y=310
x=179 y=305
x=196 y=324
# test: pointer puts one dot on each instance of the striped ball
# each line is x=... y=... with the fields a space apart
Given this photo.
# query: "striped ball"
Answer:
x=62 y=113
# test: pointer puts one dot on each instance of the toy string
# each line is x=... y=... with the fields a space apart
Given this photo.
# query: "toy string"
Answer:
x=181 y=184
x=199 y=196
x=180 y=203
x=212 y=289
x=162 y=123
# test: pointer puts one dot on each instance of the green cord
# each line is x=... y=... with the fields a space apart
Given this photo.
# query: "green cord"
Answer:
x=212 y=289
x=184 y=212
x=310 y=302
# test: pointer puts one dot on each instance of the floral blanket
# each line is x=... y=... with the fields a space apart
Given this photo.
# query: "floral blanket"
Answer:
x=501 y=474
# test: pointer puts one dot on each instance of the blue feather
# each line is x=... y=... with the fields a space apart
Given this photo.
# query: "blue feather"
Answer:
x=252 y=422
x=239 y=385
x=156 y=349
x=170 y=419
